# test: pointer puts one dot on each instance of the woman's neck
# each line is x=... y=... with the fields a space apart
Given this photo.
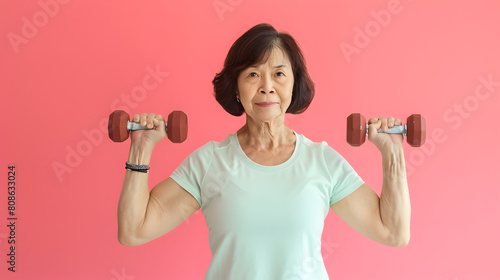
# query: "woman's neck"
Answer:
x=266 y=135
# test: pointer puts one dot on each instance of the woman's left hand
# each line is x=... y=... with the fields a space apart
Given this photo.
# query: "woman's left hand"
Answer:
x=383 y=141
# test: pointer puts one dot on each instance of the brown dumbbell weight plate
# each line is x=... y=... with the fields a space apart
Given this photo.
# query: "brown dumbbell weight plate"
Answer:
x=356 y=129
x=177 y=126
x=416 y=130
x=117 y=126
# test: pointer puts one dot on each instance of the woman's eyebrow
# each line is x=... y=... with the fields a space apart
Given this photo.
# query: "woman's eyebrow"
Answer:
x=277 y=66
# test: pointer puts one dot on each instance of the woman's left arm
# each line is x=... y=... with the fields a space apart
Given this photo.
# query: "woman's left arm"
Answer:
x=385 y=219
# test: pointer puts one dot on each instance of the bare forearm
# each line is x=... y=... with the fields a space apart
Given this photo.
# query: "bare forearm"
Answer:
x=395 y=209
x=134 y=196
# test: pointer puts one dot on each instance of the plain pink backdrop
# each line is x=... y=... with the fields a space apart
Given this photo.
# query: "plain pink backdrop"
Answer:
x=65 y=65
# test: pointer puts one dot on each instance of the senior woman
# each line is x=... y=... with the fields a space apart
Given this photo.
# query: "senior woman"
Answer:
x=265 y=190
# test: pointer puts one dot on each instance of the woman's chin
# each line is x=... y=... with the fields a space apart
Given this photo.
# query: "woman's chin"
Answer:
x=268 y=117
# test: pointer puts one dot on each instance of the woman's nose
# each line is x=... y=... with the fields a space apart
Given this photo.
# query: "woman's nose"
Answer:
x=267 y=85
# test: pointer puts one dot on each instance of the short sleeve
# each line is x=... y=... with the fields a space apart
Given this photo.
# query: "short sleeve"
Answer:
x=343 y=177
x=191 y=172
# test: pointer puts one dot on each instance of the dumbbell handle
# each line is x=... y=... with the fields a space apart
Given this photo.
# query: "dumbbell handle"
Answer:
x=400 y=129
x=137 y=126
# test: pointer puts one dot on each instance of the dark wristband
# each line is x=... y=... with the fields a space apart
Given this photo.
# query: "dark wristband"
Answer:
x=139 y=168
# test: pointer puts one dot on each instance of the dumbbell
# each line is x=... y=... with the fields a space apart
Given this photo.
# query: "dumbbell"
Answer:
x=414 y=130
x=119 y=126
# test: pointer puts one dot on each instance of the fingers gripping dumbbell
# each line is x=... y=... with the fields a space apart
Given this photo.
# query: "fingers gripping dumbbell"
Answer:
x=119 y=126
x=414 y=130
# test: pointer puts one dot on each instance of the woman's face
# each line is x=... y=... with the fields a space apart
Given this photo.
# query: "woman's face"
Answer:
x=265 y=90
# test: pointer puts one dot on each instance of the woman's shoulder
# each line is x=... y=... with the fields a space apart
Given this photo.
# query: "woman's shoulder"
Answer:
x=212 y=145
x=321 y=147
x=310 y=143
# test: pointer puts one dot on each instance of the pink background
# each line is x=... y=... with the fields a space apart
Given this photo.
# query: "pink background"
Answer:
x=64 y=66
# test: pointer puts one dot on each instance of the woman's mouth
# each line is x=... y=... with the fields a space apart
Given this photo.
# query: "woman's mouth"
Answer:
x=266 y=104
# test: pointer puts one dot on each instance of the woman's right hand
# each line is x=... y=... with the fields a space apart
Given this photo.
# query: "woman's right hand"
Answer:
x=150 y=137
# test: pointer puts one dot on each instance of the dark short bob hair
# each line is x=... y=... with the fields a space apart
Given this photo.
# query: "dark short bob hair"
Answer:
x=252 y=48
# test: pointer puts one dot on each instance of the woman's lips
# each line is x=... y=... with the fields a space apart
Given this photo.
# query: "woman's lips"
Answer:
x=266 y=104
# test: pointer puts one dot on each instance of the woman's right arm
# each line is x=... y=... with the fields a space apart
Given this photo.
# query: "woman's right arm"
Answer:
x=144 y=215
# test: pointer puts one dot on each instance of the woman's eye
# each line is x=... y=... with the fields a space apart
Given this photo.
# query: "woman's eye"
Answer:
x=280 y=74
x=253 y=74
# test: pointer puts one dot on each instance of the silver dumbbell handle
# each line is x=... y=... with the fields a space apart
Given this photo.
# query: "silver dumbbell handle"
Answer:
x=400 y=129
x=137 y=126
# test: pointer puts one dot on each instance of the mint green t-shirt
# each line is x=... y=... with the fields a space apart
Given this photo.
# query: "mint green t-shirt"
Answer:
x=266 y=222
